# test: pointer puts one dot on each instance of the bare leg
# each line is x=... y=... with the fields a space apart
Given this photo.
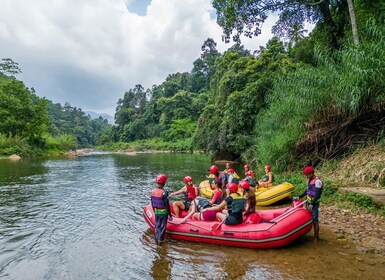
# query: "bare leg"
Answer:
x=176 y=206
x=221 y=216
x=316 y=232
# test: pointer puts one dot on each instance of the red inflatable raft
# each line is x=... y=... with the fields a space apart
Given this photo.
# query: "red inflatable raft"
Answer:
x=264 y=229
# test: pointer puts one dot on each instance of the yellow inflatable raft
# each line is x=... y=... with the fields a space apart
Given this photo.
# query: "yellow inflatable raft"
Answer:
x=264 y=196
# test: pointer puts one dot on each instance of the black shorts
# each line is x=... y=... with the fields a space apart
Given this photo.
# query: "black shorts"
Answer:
x=233 y=220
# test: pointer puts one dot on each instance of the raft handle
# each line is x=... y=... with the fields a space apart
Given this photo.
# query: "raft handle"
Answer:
x=194 y=230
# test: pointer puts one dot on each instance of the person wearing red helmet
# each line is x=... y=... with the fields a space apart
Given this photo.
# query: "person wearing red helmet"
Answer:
x=249 y=196
x=313 y=192
x=235 y=205
x=161 y=207
x=189 y=191
x=232 y=176
x=248 y=172
x=215 y=174
x=267 y=182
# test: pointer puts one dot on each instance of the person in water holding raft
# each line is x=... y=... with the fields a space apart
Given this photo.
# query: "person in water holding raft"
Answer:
x=313 y=192
x=189 y=191
x=161 y=207
x=235 y=204
x=267 y=182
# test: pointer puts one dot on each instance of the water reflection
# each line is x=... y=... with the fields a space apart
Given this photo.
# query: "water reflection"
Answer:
x=81 y=218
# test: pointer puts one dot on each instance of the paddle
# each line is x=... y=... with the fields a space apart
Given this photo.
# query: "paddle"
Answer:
x=290 y=210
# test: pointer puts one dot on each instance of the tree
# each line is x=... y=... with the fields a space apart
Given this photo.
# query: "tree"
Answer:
x=246 y=17
x=9 y=67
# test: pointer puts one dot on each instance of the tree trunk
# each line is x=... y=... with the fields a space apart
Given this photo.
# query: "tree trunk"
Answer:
x=353 y=21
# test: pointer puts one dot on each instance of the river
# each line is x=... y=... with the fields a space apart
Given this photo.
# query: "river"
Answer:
x=81 y=218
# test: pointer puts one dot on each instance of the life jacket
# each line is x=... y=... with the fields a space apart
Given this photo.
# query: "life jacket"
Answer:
x=238 y=204
x=202 y=203
x=311 y=189
x=251 y=181
x=219 y=199
x=267 y=177
x=234 y=178
x=190 y=194
x=158 y=201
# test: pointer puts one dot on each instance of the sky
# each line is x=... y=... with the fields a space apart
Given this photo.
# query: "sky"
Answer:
x=90 y=52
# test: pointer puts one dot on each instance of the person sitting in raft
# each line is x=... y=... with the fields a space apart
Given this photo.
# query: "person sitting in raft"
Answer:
x=267 y=182
x=235 y=205
x=227 y=167
x=217 y=196
x=196 y=208
x=189 y=191
x=249 y=196
x=250 y=177
x=232 y=177
x=248 y=172
x=214 y=173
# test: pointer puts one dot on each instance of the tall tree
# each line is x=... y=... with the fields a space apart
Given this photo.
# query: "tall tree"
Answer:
x=246 y=17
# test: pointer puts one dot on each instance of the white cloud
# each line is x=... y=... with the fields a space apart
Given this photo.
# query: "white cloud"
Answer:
x=90 y=52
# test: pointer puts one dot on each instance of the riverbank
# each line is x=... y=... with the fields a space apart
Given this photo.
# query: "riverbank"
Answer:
x=365 y=229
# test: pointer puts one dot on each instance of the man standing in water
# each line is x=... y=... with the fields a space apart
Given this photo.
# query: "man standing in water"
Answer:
x=313 y=192
x=161 y=207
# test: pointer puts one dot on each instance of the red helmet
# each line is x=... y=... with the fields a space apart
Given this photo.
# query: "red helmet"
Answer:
x=244 y=185
x=213 y=169
x=228 y=164
x=231 y=170
x=268 y=167
x=232 y=187
x=161 y=179
x=249 y=174
x=187 y=179
x=247 y=167
x=307 y=170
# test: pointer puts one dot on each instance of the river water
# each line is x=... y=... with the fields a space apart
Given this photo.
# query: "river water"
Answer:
x=81 y=218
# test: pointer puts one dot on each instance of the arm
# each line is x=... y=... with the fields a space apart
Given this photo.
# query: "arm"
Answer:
x=217 y=207
x=270 y=178
x=191 y=211
x=165 y=197
x=178 y=192
x=216 y=195
x=303 y=194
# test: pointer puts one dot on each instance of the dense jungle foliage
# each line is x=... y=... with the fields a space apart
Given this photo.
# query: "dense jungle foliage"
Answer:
x=31 y=125
x=298 y=100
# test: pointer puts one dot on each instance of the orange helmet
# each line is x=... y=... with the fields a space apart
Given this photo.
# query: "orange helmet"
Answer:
x=307 y=170
x=161 y=179
x=232 y=187
x=244 y=185
x=187 y=179
x=213 y=169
